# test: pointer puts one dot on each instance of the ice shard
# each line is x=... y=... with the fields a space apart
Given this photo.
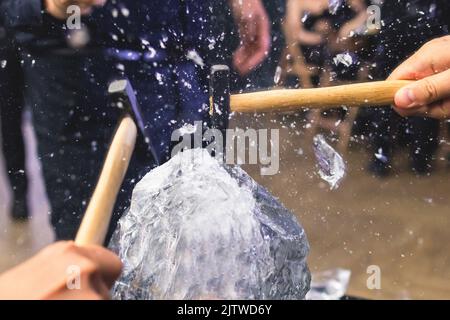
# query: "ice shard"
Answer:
x=197 y=229
x=331 y=165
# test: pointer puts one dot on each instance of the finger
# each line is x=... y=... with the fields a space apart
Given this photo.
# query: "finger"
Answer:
x=413 y=68
x=439 y=110
x=239 y=57
x=85 y=294
x=425 y=91
x=97 y=284
x=431 y=59
x=108 y=263
x=412 y=112
x=253 y=60
x=257 y=51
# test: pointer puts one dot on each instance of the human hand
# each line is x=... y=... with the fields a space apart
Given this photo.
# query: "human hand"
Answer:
x=63 y=271
x=254 y=30
x=58 y=8
x=430 y=95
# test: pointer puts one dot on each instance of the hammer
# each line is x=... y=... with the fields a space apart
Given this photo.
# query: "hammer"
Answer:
x=96 y=220
x=222 y=103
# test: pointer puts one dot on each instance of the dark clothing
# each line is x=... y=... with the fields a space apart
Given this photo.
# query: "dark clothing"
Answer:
x=263 y=76
x=226 y=40
x=11 y=111
x=317 y=55
x=406 y=27
x=66 y=88
x=322 y=55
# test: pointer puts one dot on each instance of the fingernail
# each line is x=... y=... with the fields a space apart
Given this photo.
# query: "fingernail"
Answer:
x=405 y=98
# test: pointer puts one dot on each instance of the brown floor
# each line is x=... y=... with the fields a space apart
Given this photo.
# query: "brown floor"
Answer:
x=401 y=224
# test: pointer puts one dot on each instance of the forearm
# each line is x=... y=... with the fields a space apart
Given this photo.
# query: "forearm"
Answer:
x=294 y=30
x=309 y=38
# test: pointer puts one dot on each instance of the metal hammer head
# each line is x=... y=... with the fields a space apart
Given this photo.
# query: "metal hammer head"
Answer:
x=219 y=90
x=123 y=96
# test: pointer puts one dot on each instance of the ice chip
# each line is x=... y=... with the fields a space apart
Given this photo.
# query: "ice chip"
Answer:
x=197 y=229
x=381 y=156
x=330 y=163
x=329 y=285
x=334 y=5
x=188 y=129
x=277 y=76
x=343 y=58
x=195 y=57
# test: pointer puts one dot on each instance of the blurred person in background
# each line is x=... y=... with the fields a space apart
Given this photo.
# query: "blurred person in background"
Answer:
x=405 y=27
x=250 y=70
x=99 y=268
x=11 y=114
x=324 y=47
x=158 y=44
x=316 y=32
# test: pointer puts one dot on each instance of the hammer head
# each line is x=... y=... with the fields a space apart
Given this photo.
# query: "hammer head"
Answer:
x=122 y=95
x=219 y=90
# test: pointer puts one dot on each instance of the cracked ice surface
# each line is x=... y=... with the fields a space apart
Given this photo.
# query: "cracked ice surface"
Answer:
x=199 y=230
x=331 y=165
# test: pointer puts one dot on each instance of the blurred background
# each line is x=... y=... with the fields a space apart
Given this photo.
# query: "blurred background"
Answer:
x=393 y=208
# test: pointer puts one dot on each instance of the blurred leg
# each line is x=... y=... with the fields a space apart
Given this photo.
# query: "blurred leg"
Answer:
x=11 y=106
x=73 y=130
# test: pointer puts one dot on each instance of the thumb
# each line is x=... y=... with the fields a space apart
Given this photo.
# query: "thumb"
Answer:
x=425 y=91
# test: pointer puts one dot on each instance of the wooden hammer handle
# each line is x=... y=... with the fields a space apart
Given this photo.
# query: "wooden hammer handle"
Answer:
x=353 y=95
x=96 y=220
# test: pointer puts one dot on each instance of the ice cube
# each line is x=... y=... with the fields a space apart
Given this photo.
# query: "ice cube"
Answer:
x=331 y=165
x=343 y=58
x=198 y=229
x=329 y=284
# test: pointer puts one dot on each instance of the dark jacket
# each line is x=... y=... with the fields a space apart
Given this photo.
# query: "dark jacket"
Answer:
x=175 y=25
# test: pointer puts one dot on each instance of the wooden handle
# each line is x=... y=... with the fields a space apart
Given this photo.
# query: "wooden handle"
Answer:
x=96 y=220
x=353 y=95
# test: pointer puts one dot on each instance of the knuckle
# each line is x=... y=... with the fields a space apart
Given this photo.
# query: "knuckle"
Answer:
x=70 y=248
x=430 y=90
x=62 y=247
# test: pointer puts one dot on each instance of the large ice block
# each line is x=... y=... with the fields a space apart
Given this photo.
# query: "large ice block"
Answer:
x=197 y=229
